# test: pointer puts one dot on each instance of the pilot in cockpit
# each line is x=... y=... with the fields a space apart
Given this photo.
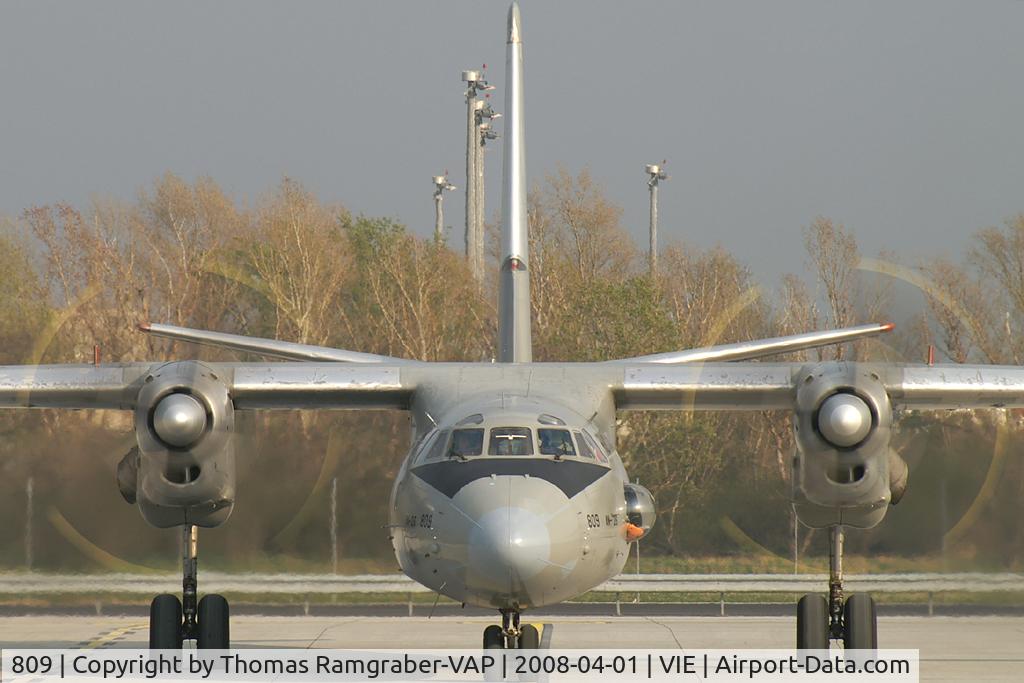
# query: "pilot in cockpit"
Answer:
x=556 y=442
x=466 y=442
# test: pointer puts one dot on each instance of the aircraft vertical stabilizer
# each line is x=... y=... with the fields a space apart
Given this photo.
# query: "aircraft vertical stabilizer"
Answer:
x=514 y=340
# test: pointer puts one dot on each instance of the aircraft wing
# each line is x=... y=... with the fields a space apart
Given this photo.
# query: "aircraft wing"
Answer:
x=320 y=385
x=250 y=385
x=772 y=386
x=332 y=385
x=70 y=386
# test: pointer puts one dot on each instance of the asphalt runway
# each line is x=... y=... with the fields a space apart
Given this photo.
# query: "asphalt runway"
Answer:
x=982 y=648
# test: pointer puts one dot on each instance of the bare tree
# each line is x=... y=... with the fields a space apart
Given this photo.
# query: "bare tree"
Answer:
x=835 y=258
x=182 y=236
x=301 y=262
x=588 y=225
x=415 y=298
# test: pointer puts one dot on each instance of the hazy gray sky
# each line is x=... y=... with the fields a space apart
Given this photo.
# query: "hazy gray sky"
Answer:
x=904 y=120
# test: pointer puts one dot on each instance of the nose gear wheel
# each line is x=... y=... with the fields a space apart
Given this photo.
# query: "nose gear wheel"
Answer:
x=511 y=635
x=172 y=621
x=852 y=619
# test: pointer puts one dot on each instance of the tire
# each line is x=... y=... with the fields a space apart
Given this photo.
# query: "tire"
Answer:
x=494 y=639
x=212 y=622
x=812 y=632
x=165 y=623
x=860 y=623
x=529 y=637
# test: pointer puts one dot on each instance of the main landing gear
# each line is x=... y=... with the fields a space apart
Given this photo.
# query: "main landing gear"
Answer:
x=854 y=621
x=510 y=635
x=172 y=621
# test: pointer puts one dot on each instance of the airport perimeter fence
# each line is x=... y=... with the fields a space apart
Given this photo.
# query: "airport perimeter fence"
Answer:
x=27 y=584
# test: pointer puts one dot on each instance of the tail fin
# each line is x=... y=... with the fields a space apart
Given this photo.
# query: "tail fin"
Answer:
x=515 y=344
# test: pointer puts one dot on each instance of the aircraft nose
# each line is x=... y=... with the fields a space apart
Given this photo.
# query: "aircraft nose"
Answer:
x=510 y=544
x=522 y=540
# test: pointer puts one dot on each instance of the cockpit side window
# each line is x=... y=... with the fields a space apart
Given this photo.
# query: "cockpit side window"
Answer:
x=601 y=457
x=510 y=441
x=555 y=442
x=424 y=437
x=585 y=450
x=437 y=448
x=423 y=445
x=467 y=442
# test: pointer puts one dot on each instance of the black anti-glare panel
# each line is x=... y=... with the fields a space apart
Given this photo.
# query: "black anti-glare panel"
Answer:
x=570 y=476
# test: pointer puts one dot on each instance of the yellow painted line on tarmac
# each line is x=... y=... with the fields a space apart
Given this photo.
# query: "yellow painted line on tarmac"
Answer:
x=111 y=636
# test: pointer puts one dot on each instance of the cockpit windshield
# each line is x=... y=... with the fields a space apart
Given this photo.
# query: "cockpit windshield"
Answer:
x=510 y=441
x=557 y=442
x=466 y=442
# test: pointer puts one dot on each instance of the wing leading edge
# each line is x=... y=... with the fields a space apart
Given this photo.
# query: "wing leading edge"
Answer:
x=250 y=385
x=772 y=386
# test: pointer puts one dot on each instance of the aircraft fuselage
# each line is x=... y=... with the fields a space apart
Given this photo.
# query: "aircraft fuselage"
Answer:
x=511 y=502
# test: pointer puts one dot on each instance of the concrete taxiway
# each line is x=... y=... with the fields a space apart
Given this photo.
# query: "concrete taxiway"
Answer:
x=952 y=648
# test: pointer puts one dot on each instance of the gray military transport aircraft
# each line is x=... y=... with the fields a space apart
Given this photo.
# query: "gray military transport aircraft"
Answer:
x=513 y=495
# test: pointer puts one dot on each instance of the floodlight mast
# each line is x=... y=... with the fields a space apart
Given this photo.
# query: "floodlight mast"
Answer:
x=475 y=83
x=476 y=258
x=655 y=174
x=484 y=115
x=441 y=184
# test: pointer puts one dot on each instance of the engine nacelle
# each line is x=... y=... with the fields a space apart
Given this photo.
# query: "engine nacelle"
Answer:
x=844 y=467
x=640 y=511
x=184 y=467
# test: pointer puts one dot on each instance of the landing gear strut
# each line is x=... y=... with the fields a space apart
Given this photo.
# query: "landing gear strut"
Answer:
x=511 y=635
x=835 y=582
x=172 y=621
x=853 y=620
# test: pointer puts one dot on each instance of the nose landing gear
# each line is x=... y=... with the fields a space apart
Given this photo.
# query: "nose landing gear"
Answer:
x=172 y=621
x=854 y=620
x=510 y=635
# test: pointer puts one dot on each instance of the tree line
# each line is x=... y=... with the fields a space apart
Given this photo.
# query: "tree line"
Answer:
x=294 y=268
